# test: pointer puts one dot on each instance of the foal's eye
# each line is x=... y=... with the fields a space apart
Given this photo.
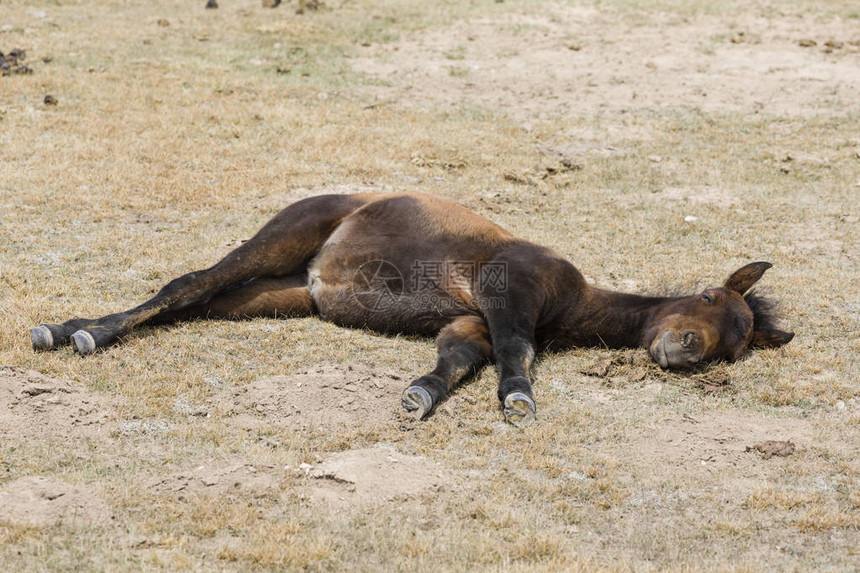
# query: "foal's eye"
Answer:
x=707 y=298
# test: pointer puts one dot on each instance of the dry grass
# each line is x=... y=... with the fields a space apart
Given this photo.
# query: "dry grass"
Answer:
x=170 y=143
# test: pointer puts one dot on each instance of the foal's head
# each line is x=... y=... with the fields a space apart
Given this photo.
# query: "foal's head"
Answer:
x=718 y=324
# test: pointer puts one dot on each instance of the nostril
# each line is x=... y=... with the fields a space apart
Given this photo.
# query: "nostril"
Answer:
x=688 y=337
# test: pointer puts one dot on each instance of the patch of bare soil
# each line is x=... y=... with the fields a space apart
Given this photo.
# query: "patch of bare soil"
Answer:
x=41 y=501
x=34 y=406
x=569 y=62
x=217 y=479
x=373 y=476
x=716 y=444
x=325 y=397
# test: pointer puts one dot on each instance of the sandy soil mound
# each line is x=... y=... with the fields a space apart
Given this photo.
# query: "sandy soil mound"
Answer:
x=373 y=476
x=217 y=479
x=39 y=501
x=719 y=444
x=327 y=397
x=35 y=406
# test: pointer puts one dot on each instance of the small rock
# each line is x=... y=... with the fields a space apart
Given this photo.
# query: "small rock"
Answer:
x=772 y=448
x=11 y=63
x=211 y=4
x=520 y=178
x=216 y=382
x=183 y=407
x=50 y=100
x=840 y=405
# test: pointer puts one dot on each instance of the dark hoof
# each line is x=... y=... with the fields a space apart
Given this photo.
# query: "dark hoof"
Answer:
x=520 y=410
x=417 y=401
x=83 y=342
x=41 y=338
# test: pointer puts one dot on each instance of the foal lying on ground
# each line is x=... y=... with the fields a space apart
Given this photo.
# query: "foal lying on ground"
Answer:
x=419 y=264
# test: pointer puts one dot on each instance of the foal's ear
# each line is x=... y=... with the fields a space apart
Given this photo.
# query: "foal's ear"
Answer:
x=770 y=338
x=746 y=276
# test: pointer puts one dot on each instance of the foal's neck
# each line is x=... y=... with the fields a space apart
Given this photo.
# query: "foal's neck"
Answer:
x=598 y=317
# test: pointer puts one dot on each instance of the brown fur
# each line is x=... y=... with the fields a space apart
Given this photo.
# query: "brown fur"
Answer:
x=413 y=263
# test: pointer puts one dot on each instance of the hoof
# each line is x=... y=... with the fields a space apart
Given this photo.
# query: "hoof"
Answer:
x=83 y=343
x=417 y=400
x=41 y=338
x=520 y=410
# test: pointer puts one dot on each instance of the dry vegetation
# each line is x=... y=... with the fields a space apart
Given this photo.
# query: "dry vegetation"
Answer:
x=657 y=144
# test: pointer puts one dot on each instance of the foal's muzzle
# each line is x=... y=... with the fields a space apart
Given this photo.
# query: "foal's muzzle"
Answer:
x=676 y=349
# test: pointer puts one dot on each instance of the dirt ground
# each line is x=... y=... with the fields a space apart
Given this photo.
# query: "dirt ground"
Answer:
x=658 y=145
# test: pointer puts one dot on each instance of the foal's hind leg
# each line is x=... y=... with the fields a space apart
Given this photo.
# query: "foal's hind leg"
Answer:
x=281 y=297
x=464 y=346
x=282 y=247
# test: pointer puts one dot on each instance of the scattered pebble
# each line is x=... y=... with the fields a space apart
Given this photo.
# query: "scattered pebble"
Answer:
x=772 y=448
x=216 y=382
x=11 y=63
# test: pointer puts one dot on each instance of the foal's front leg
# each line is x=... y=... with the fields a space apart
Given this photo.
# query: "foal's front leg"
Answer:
x=513 y=350
x=513 y=305
x=464 y=347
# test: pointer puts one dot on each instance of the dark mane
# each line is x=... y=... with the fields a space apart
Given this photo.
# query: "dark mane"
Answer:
x=765 y=316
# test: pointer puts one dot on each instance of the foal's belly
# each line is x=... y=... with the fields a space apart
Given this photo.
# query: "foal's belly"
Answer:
x=373 y=272
x=378 y=297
